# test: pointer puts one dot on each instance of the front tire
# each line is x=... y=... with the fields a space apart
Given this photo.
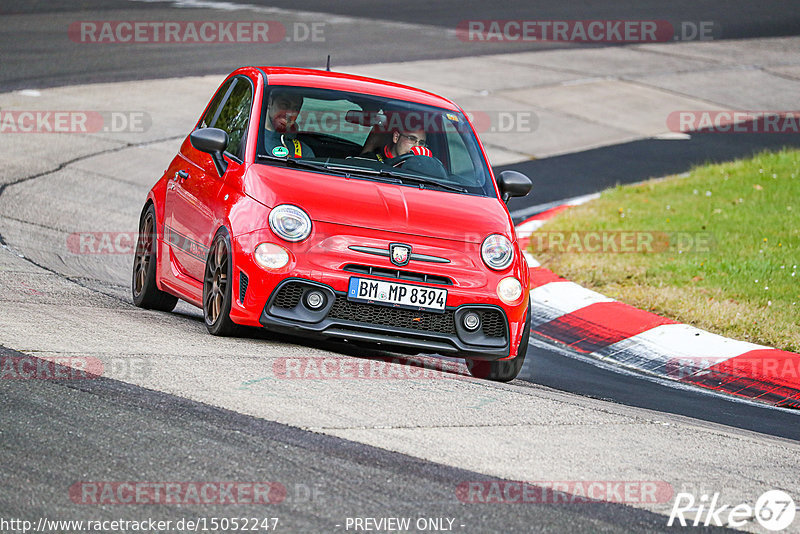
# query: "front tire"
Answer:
x=217 y=282
x=143 y=281
x=503 y=370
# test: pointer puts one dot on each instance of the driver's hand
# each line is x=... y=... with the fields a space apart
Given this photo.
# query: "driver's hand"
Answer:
x=421 y=151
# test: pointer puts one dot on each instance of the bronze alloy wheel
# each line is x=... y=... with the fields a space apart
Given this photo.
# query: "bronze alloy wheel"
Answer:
x=217 y=287
x=143 y=281
x=144 y=247
x=217 y=279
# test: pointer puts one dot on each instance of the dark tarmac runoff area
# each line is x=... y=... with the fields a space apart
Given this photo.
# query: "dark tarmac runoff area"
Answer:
x=39 y=50
x=581 y=173
x=179 y=406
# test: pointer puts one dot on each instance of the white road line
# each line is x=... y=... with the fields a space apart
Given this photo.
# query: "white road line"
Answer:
x=530 y=211
x=532 y=262
x=556 y=299
x=674 y=349
x=527 y=228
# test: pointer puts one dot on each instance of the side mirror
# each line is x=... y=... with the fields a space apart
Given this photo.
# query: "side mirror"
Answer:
x=513 y=184
x=212 y=141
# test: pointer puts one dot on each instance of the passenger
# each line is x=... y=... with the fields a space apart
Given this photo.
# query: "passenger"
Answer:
x=280 y=139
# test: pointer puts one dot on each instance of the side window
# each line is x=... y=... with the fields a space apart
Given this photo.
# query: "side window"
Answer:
x=460 y=159
x=235 y=115
x=208 y=118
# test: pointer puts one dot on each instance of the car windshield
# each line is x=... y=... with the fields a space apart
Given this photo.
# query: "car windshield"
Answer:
x=372 y=137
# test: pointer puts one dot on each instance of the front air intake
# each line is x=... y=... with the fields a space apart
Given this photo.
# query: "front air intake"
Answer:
x=243 y=281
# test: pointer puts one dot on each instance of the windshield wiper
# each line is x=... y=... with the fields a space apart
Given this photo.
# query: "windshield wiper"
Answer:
x=399 y=177
x=294 y=162
x=366 y=171
x=346 y=170
x=421 y=180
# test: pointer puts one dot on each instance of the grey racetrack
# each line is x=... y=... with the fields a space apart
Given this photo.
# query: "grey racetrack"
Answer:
x=176 y=404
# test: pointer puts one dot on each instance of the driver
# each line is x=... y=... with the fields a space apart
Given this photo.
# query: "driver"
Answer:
x=280 y=139
x=402 y=142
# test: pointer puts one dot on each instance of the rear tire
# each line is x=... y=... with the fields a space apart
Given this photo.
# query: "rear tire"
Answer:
x=143 y=281
x=217 y=282
x=503 y=370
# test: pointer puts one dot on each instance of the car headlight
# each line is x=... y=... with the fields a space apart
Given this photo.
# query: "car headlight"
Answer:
x=509 y=290
x=290 y=222
x=497 y=252
x=271 y=256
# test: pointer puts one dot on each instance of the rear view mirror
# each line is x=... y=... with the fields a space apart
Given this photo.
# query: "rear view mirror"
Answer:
x=513 y=184
x=366 y=118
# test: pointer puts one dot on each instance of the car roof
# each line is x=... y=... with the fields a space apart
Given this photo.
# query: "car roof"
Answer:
x=302 y=77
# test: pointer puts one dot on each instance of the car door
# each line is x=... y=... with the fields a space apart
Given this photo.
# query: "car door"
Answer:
x=192 y=198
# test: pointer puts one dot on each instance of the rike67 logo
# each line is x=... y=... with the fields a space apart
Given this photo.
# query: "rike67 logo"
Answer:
x=774 y=510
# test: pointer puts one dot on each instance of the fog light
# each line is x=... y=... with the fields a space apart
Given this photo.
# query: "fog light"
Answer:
x=509 y=290
x=315 y=300
x=471 y=321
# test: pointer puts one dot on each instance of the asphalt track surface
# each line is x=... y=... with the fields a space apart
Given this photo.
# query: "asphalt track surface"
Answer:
x=564 y=373
x=38 y=52
x=58 y=433
x=590 y=171
x=53 y=434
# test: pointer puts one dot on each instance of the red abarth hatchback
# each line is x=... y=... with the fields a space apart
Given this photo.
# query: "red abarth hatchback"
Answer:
x=327 y=205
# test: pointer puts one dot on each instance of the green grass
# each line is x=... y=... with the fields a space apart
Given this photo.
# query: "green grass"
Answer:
x=745 y=284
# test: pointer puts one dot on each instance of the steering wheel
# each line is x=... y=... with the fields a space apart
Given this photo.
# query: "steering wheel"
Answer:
x=426 y=165
x=399 y=160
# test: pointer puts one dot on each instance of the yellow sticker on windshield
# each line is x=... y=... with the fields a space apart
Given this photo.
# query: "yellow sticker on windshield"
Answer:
x=452 y=117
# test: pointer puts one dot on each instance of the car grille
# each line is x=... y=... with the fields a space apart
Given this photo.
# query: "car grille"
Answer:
x=383 y=315
x=289 y=296
x=396 y=274
x=493 y=324
x=492 y=321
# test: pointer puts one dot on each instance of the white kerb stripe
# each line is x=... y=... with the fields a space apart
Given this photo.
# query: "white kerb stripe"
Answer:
x=527 y=228
x=532 y=262
x=661 y=349
x=577 y=201
x=565 y=297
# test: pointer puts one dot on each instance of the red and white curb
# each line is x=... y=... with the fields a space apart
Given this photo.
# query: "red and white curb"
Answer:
x=597 y=326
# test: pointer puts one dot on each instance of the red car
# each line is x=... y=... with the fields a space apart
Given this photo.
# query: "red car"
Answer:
x=328 y=205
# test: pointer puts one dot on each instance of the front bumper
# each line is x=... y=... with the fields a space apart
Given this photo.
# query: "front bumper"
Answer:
x=286 y=311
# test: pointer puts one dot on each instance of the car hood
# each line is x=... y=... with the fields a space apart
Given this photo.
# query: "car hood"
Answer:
x=378 y=205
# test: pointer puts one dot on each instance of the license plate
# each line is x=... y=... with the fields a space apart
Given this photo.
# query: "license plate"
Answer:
x=394 y=294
